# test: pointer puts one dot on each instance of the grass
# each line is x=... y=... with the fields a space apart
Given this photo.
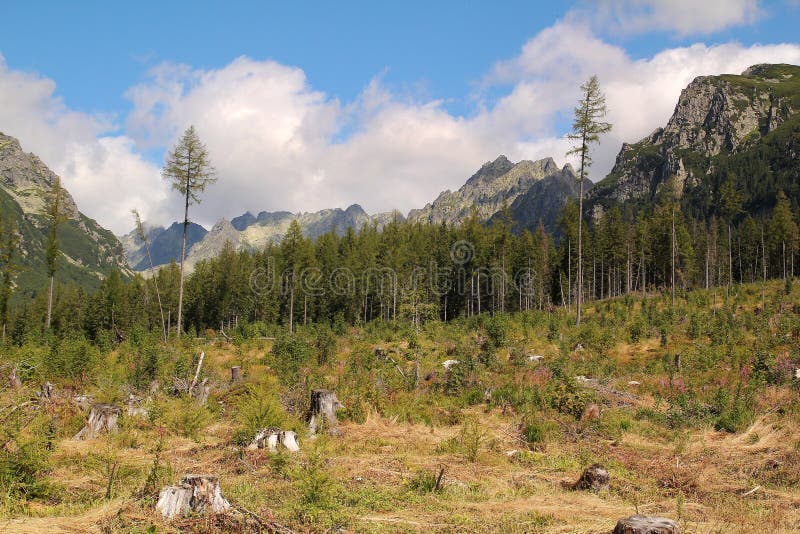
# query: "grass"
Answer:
x=673 y=444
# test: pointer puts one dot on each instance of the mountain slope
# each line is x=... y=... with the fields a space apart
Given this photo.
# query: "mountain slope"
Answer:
x=740 y=128
x=88 y=251
x=497 y=184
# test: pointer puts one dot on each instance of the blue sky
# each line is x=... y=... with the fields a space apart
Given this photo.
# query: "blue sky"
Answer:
x=112 y=84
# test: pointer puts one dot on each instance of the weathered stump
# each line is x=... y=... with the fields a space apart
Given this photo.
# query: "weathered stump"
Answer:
x=198 y=494
x=595 y=477
x=102 y=418
x=203 y=391
x=13 y=380
x=236 y=373
x=265 y=439
x=84 y=402
x=324 y=405
x=591 y=412
x=288 y=438
x=133 y=408
x=47 y=391
x=640 y=524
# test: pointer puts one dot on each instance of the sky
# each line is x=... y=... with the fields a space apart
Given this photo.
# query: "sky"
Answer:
x=319 y=104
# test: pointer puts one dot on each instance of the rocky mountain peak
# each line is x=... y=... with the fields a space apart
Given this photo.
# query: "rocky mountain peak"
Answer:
x=28 y=179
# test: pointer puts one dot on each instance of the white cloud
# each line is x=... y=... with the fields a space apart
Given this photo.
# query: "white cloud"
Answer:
x=641 y=94
x=681 y=17
x=279 y=144
x=104 y=174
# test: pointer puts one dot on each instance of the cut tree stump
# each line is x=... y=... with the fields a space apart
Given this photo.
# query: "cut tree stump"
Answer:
x=265 y=439
x=47 y=391
x=236 y=373
x=196 y=494
x=84 y=402
x=133 y=408
x=288 y=438
x=13 y=380
x=595 y=477
x=640 y=524
x=270 y=438
x=324 y=405
x=102 y=418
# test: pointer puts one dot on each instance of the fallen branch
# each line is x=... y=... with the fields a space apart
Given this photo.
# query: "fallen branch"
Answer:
x=746 y=493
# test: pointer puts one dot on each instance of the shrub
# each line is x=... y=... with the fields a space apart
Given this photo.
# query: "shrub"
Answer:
x=424 y=481
x=72 y=358
x=259 y=408
x=187 y=419
x=325 y=344
x=497 y=328
x=290 y=354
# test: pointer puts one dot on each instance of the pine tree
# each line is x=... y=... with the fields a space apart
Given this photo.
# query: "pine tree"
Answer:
x=188 y=168
x=586 y=129
x=9 y=243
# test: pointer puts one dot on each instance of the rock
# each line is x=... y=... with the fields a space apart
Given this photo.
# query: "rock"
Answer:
x=102 y=418
x=324 y=405
x=595 y=478
x=447 y=364
x=640 y=524
x=196 y=494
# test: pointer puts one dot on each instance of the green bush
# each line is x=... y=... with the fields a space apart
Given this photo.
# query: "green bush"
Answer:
x=259 y=408
x=72 y=358
x=289 y=355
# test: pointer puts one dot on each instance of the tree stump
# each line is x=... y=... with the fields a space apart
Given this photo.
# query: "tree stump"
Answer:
x=324 y=405
x=288 y=438
x=13 y=380
x=196 y=494
x=133 y=408
x=84 y=402
x=595 y=477
x=591 y=412
x=204 y=390
x=47 y=391
x=236 y=373
x=640 y=524
x=102 y=418
x=265 y=439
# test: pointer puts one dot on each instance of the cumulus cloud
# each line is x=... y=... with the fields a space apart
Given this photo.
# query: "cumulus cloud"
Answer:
x=280 y=144
x=681 y=17
x=640 y=93
x=105 y=174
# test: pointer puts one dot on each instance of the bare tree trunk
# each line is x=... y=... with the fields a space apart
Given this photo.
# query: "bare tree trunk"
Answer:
x=49 y=304
x=183 y=257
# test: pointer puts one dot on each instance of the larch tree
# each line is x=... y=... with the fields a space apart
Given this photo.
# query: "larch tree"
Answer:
x=188 y=168
x=54 y=212
x=586 y=129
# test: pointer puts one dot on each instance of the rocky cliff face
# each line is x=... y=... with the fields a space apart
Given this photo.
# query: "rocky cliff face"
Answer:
x=89 y=252
x=496 y=184
x=715 y=115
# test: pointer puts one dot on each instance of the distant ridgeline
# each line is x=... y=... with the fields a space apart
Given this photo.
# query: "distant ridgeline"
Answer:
x=715 y=192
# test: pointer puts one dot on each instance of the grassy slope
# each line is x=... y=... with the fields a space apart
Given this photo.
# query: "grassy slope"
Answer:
x=663 y=457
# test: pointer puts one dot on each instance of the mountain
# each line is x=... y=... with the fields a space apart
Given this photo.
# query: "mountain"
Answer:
x=544 y=200
x=497 y=184
x=533 y=190
x=742 y=131
x=89 y=252
x=165 y=244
